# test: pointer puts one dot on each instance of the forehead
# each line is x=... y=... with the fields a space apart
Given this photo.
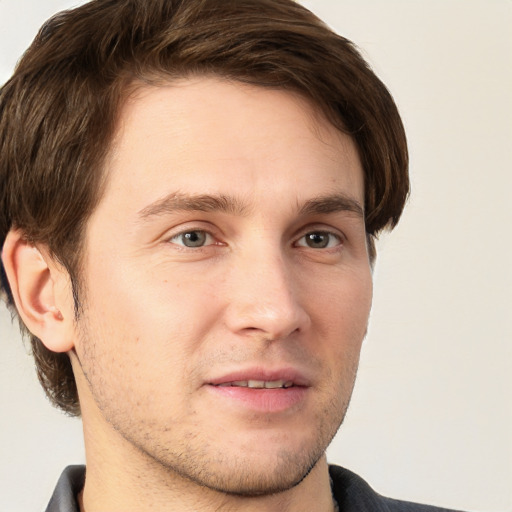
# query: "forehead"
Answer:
x=207 y=135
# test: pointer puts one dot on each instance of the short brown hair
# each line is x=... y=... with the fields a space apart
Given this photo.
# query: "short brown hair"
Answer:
x=58 y=112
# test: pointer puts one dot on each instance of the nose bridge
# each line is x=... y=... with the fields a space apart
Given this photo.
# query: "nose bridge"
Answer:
x=265 y=293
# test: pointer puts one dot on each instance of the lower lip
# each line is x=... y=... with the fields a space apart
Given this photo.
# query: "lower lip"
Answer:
x=262 y=400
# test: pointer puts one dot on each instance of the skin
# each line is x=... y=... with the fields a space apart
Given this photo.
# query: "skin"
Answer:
x=161 y=321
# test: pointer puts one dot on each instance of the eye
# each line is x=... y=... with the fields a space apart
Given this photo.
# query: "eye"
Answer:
x=193 y=238
x=319 y=240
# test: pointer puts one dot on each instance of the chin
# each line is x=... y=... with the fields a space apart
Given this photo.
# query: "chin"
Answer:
x=265 y=468
x=248 y=479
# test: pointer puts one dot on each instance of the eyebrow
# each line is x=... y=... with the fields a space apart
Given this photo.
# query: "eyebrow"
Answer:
x=332 y=204
x=178 y=201
x=203 y=203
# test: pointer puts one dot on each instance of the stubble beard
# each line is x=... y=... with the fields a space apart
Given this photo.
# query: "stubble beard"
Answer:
x=191 y=460
x=195 y=464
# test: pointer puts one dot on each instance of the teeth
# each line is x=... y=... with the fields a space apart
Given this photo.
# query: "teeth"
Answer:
x=274 y=384
x=259 y=384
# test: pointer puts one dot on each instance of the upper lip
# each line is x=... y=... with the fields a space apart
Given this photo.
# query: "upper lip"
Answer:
x=287 y=374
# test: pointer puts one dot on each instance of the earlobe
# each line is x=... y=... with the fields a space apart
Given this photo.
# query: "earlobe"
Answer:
x=36 y=285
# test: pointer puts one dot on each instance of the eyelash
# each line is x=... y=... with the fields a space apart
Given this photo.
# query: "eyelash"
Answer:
x=208 y=235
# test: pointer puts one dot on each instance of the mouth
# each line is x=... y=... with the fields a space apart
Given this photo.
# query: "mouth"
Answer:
x=262 y=378
x=261 y=390
x=259 y=384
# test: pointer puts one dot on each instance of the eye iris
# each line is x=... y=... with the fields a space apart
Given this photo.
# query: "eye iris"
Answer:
x=317 y=240
x=194 y=238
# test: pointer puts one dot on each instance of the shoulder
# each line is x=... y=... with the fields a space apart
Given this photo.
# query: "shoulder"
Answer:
x=353 y=494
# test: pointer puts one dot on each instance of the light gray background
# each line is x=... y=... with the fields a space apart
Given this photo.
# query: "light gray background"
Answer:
x=431 y=417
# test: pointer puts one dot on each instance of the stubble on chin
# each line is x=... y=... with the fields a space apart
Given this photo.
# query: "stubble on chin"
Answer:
x=246 y=474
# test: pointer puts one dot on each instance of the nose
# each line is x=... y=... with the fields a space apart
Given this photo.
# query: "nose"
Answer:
x=264 y=294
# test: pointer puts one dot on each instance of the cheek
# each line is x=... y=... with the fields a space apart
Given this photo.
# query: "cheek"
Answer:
x=141 y=336
x=143 y=300
x=343 y=306
x=340 y=318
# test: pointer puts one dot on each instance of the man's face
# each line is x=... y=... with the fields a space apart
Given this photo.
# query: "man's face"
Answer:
x=226 y=284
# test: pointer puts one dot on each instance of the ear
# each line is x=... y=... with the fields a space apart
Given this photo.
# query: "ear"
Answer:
x=41 y=289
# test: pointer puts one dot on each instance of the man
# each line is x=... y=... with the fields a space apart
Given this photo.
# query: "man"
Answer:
x=190 y=196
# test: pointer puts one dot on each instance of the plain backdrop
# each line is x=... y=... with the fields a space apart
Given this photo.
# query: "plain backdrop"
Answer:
x=431 y=416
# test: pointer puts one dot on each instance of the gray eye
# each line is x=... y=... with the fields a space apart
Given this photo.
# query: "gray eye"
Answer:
x=191 y=239
x=319 y=240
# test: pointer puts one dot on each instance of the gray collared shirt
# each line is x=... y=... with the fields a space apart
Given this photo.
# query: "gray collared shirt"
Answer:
x=70 y=483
